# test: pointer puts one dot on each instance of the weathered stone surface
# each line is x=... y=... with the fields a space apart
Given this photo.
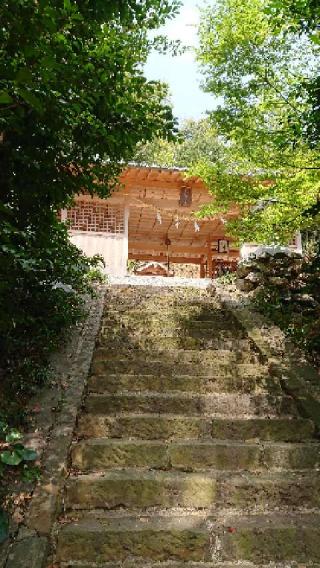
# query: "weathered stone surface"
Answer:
x=144 y=426
x=100 y=454
x=272 y=538
x=215 y=455
x=219 y=382
x=269 y=491
x=190 y=404
x=292 y=456
x=29 y=553
x=157 y=539
x=169 y=368
x=205 y=357
x=141 y=489
x=273 y=429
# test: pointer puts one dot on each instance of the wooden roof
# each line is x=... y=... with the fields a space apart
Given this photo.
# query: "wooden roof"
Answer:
x=153 y=197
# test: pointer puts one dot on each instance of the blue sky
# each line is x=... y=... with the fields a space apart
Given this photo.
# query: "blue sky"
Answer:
x=181 y=73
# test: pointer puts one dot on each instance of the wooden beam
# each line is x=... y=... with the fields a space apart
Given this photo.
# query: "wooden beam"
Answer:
x=234 y=254
x=179 y=259
x=158 y=247
x=195 y=236
x=163 y=258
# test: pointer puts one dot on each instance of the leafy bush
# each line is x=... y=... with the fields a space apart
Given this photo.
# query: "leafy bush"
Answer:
x=16 y=461
x=42 y=276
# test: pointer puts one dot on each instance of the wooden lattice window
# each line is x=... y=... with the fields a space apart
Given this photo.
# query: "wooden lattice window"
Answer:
x=96 y=218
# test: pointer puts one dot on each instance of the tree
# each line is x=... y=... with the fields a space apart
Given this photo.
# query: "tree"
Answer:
x=73 y=105
x=261 y=72
x=302 y=17
x=196 y=140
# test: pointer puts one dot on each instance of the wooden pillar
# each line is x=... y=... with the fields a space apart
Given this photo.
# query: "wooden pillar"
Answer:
x=210 y=266
x=203 y=262
x=214 y=266
x=125 y=249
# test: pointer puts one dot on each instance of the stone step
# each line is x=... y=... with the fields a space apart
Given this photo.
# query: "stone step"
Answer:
x=167 y=312
x=264 y=429
x=174 y=427
x=104 y=383
x=149 y=341
x=261 y=539
x=191 y=404
x=143 y=426
x=270 y=491
x=271 y=538
x=173 y=564
x=203 y=329
x=204 y=357
x=163 y=366
x=101 y=454
x=195 y=312
x=158 y=539
x=143 y=490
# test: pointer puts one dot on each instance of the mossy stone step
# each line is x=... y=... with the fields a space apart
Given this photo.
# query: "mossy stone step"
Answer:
x=228 y=404
x=270 y=538
x=102 y=454
x=176 y=341
x=163 y=366
x=142 y=490
x=143 y=426
x=104 y=383
x=261 y=539
x=114 y=328
x=270 y=491
x=175 y=427
x=132 y=489
x=120 y=327
x=172 y=564
x=263 y=429
x=150 y=538
x=204 y=357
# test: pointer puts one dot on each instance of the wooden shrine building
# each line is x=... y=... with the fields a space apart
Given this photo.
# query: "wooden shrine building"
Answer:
x=151 y=217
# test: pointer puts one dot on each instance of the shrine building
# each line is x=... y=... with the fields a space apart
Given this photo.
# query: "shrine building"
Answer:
x=151 y=217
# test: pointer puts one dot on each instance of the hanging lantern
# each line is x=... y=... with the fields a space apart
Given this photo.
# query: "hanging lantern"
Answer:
x=185 y=197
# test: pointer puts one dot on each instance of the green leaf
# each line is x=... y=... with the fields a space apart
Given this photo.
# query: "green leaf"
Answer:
x=11 y=458
x=5 y=98
x=29 y=455
x=13 y=435
x=31 y=99
x=4 y=526
x=24 y=76
x=315 y=38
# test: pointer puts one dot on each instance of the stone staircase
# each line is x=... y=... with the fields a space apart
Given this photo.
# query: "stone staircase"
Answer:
x=188 y=453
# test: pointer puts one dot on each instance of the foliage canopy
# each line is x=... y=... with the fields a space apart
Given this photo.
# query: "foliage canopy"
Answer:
x=262 y=71
x=196 y=140
x=73 y=105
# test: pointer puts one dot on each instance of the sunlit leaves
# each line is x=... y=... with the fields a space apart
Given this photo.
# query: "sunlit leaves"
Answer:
x=262 y=72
